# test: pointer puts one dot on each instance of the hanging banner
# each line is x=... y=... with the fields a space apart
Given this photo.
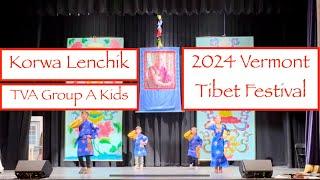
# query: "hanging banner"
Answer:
x=240 y=144
x=228 y=41
x=160 y=80
x=107 y=146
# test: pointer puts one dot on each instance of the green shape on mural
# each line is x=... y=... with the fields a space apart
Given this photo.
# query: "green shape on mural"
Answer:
x=119 y=145
x=70 y=130
x=105 y=141
x=117 y=125
x=74 y=142
x=84 y=40
x=71 y=41
x=107 y=41
x=113 y=149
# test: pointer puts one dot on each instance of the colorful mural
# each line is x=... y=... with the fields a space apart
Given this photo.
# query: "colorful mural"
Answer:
x=95 y=42
x=240 y=143
x=107 y=146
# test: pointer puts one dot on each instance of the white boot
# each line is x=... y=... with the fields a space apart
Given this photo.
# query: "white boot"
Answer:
x=83 y=170
x=141 y=163
x=136 y=162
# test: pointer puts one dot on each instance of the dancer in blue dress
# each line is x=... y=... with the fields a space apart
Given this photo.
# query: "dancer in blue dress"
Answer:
x=218 y=159
x=139 y=150
x=87 y=133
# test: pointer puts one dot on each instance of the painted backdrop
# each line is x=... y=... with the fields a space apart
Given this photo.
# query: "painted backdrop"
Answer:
x=240 y=144
x=108 y=144
x=227 y=41
x=95 y=42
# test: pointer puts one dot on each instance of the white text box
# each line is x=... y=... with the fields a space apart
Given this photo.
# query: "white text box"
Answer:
x=64 y=97
x=69 y=64
x=247 y=78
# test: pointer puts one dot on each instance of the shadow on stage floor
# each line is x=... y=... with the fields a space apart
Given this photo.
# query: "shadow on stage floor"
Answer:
x=231 y=172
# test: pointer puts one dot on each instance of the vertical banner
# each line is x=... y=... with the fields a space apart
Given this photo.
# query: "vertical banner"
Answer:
x=240 y=144
x=107 y=146
x=218 y=41
x=160 y=80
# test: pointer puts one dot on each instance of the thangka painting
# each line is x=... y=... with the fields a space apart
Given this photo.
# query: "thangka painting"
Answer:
x=160 y=80
x=159 y=69
x=228 y=41
x=240 y=144
x=95 y=42
x=107 y=145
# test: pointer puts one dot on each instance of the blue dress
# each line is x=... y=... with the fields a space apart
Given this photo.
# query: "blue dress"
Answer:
x=85 y=143
x=193 y=144
x=217 y=147
x=138 y=149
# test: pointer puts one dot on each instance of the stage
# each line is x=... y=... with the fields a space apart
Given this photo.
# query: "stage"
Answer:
x=231 y=172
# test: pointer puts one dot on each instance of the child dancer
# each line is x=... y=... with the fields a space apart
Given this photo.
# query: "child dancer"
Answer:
x=87 y=133
x=195 y=143
x=218 y=160
x=140 y=141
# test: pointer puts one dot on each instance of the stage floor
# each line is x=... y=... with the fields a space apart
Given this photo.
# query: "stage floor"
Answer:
x=231 y=172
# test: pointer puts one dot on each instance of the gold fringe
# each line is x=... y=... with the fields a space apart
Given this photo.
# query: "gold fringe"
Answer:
x=76 y=123
x=132 y=134
x=309 y=168
x=188 y=135
x=316 y=169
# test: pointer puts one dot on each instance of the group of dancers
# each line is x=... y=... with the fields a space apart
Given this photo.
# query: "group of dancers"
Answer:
x=88 y=131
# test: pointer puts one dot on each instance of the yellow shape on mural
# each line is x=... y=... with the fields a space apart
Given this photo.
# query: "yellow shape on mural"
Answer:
x=225 y=113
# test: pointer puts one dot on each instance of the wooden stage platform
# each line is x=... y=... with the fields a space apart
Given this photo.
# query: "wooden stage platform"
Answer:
x=231 y=172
